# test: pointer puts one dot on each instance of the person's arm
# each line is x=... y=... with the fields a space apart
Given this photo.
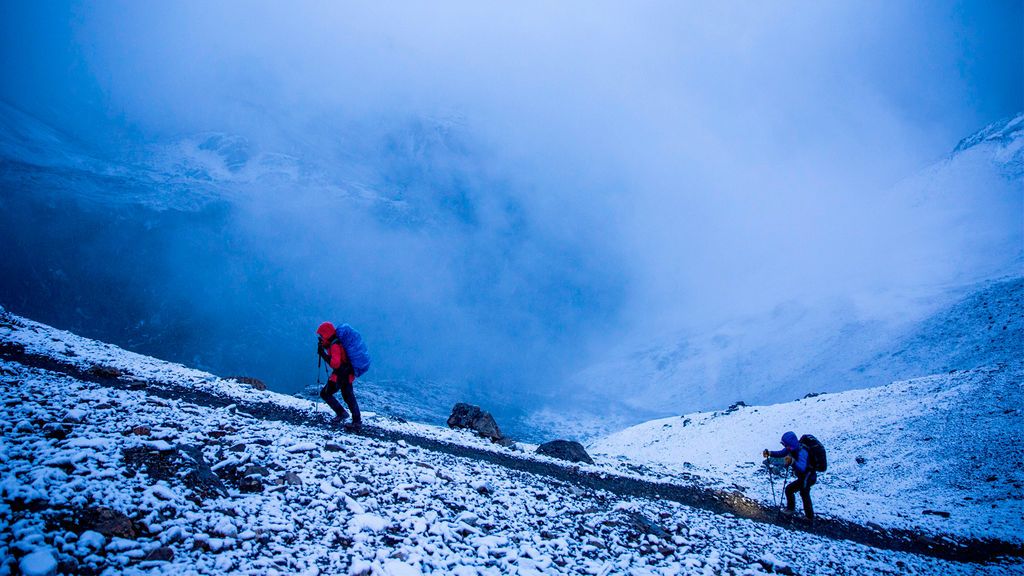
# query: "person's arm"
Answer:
x=338 y=356
x=778 y=453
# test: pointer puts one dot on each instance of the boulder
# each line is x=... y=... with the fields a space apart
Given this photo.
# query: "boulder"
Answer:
x=473 y=418
x=565 y=450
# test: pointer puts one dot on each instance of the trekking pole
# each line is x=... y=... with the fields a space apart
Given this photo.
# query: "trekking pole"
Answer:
x=771 y=480
x=312 y=404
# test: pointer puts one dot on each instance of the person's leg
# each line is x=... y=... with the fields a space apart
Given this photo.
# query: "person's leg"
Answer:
x=791 y=489
x=805 y=493
x=348 y=393
x=327 y=394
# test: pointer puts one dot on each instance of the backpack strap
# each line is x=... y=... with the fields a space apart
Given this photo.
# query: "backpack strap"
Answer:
x=812 y=462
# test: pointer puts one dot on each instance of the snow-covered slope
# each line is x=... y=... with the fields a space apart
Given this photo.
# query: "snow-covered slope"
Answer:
x=951 y=442
x=106 y=474
x=798 y=350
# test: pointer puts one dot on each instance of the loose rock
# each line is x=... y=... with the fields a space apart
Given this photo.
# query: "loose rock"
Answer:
x=565 y=450
x=101 y=371
x=250 y=485
x=108 y=522
x=254 y=382
x=161 y=554
x=39 y=563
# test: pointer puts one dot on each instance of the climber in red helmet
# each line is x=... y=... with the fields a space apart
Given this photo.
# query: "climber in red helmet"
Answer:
x=345 y=352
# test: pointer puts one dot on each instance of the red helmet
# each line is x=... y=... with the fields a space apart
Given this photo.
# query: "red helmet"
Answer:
x=326 y=331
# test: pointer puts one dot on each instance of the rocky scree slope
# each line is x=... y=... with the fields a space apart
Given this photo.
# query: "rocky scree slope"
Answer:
x=100 y=473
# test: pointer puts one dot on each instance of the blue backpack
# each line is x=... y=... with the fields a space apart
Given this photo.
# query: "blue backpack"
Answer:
x=354 y=346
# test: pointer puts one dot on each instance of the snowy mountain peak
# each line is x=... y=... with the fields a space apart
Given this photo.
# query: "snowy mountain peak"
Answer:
x=1005 y=142
x=1002 y=132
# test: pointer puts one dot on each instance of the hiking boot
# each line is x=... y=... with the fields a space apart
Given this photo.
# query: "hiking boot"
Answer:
x=339 y=418
x=788 y=512
x=354 y=427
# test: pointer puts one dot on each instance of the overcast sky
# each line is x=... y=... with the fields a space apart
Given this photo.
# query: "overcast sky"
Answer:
x=664 y=164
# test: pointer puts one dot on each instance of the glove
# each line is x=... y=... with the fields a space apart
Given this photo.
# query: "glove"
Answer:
x=789 y=460
x=765 y=453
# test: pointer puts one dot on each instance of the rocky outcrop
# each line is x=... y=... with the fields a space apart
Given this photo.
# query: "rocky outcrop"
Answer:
x=565 y=450
x=471 y=417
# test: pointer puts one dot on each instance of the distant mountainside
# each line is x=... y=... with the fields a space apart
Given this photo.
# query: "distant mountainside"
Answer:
x=223 y=252
x=967 y=318
x=186 y=173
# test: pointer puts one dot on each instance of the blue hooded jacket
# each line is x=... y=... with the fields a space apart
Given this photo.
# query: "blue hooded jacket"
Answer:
x=793 y=448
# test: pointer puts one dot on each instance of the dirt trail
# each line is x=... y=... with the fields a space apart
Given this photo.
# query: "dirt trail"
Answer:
x=717 y=501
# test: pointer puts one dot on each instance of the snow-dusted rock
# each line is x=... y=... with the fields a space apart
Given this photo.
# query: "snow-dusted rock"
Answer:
x=482 y=486
x=302 y=447
x=160 y=554
x=366 y=522
x=160 y=445
x=75 y=415
x=91 y=541
x=38 y=563
x=224 y=528
x=399 y=568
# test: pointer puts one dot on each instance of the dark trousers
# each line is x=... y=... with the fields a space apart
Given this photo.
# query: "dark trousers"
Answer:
x=339 y=381
x=803 y=486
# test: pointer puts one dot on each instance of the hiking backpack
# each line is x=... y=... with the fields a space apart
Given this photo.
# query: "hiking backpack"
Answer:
x=815 y=452
x=354 y=346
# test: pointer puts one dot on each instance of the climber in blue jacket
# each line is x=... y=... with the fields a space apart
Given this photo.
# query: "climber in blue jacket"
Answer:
x=797 y=457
